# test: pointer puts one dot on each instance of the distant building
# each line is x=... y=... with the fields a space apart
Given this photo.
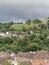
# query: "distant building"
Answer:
x=36 y=58
x=2 y=34
x=24 y=22
x=26 y=58
x=8 y=34
x=14 y=35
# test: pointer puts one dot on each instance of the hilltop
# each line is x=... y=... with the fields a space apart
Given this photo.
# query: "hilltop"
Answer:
x=20 y=25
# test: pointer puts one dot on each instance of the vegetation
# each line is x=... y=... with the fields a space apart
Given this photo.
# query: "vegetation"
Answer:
x=6 y=62
x=28 y=22
x=5 y=26
x=37 y=21
x=37 y=40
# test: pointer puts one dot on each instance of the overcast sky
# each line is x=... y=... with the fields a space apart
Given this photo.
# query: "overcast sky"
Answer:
x=21 y=10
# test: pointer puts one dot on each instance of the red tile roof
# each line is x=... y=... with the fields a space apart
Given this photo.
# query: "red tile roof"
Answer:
x=46 y=64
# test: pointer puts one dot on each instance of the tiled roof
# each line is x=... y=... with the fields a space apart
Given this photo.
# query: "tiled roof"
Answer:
x=36 y=55
x=25 y=55
x=38 y=62
x=42 y=55
x=46 y=64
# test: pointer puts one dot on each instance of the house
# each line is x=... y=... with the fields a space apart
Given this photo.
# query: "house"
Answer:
x=21 y=35
x=36 y=58
x=38 y=62
x=7 y=34
x=28 y=58
x=14 y=35
x=27 y=55
x=24 y=22
x=2 y=34
x=46 y=64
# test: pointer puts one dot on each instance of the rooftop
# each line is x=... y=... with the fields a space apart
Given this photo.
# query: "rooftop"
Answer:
x=34 y=55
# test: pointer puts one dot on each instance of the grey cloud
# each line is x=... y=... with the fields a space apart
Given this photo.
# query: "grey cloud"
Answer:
x=23 y=9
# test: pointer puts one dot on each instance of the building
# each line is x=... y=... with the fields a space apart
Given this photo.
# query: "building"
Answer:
x=27 y=58
x=2 y=34
x=36 y=58
x=14 y=35
x=7 y=34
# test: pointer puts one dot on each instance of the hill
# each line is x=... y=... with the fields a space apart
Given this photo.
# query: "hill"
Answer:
x=19 y=26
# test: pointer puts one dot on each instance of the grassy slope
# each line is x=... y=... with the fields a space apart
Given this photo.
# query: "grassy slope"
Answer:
x=19 y=26
x=44 y=21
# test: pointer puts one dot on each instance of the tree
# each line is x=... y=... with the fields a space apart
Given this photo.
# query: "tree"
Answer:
x=42 y=26
x=43 y=36
x=23 y=44
x=37 y=21
x=48 y=18
x=35 y=27
x=8 y=40
x=34 y=47
x=28 y=22
x=24 y=28
x=38 y=41
x=32 y=36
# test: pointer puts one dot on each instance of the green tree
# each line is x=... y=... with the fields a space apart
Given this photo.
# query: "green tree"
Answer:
x=28 y=22
x=34 y=47
x=24 y=28
x=37 y=21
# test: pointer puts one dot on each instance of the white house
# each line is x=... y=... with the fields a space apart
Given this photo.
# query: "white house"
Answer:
x=2 y=34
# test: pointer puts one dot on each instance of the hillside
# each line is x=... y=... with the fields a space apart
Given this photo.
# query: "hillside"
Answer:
x=19 y=26
x=26 y=37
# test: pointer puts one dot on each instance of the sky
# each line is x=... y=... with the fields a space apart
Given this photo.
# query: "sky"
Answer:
x=22 y=10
